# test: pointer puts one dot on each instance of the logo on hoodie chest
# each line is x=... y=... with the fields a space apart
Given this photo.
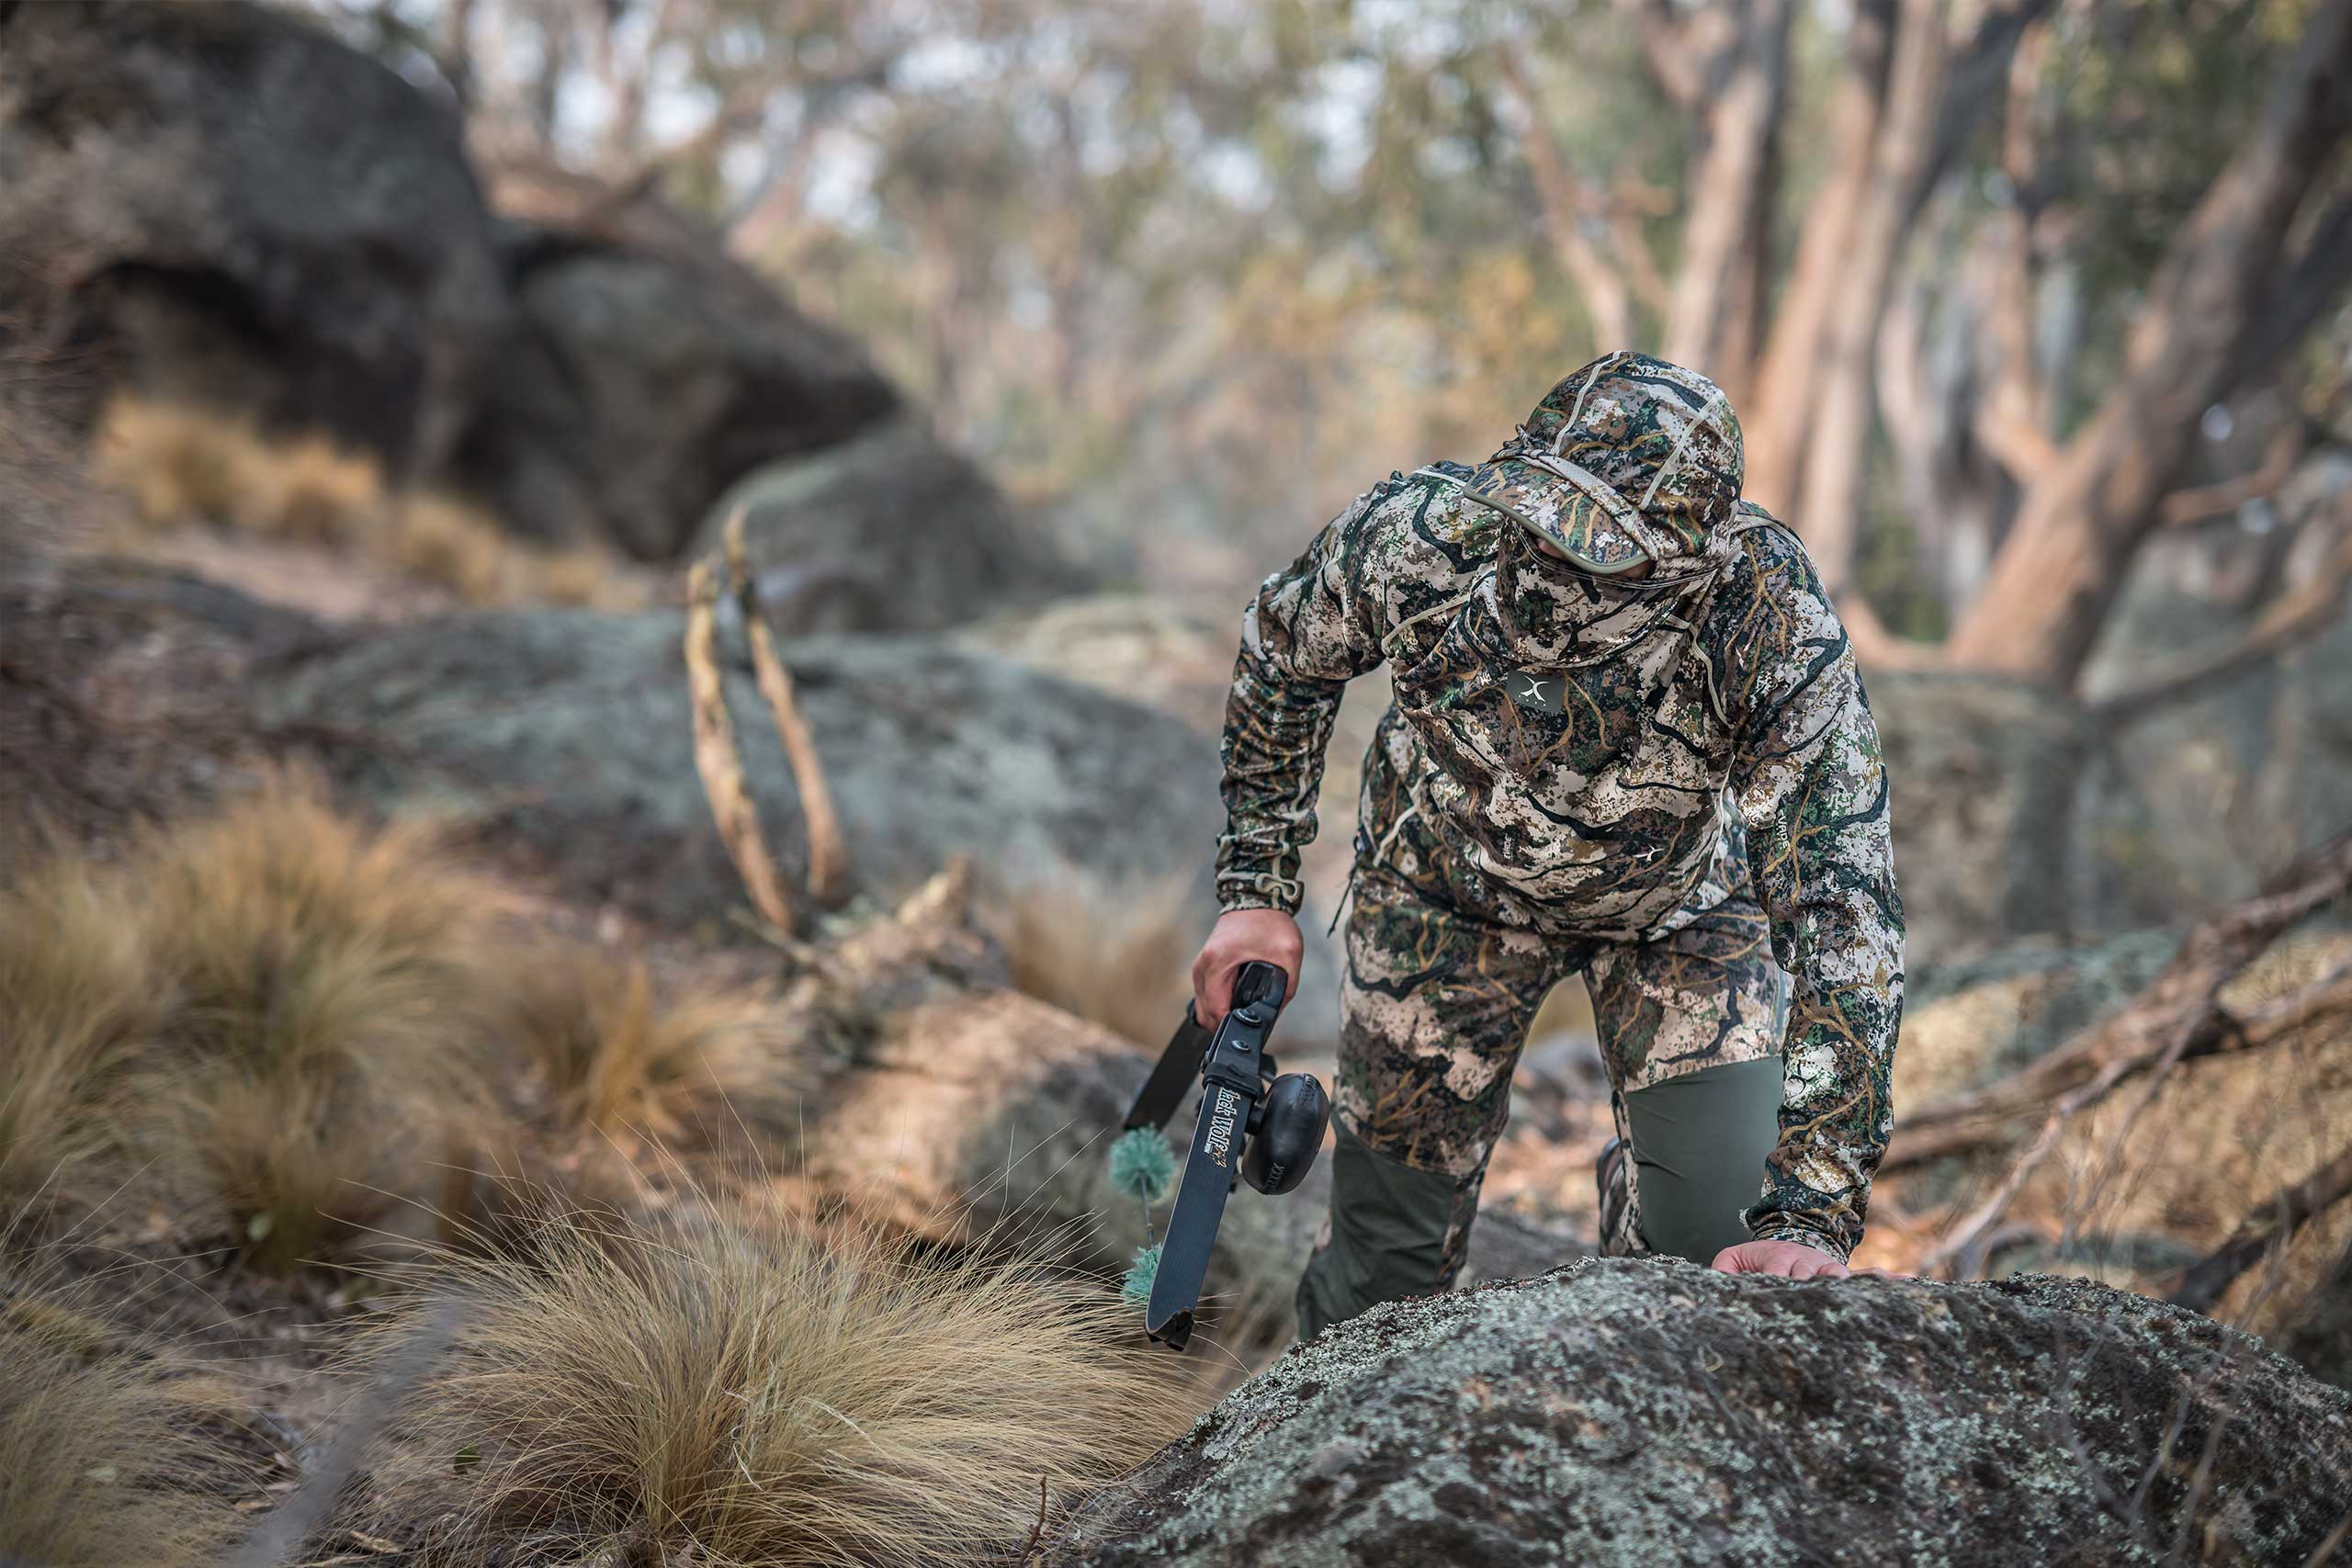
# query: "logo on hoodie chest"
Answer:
x=1536 y=693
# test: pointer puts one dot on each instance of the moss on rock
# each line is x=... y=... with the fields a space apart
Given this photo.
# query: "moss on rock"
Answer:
x=1639 y=1412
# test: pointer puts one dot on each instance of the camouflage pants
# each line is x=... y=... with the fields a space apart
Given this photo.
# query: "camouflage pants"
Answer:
x=1434 y=1008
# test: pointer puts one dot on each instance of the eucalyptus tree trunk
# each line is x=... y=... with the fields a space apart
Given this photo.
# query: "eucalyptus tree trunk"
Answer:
x=1717 y=299
x=2223 y=283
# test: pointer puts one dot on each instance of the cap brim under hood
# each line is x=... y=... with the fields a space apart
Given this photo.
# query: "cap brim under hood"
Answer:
x=1560 y=502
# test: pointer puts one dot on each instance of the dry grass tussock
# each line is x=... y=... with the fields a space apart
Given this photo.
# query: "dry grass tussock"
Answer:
x=290 y=1028
x=83 y=1006
x=618 y=1056
x=178 y=463
x=264 y=1014
x=708 y=1395
x=1118 y=957
x=103 y=1457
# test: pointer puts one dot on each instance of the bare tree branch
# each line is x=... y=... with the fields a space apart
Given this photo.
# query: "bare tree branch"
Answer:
x=1784 y=403
x=1677 y=45
x=827 y=851
x=1979 y=68
x=2061 y=567
x=719 y=760
x=2183 y=508
x=2262 y=1233
x=2316 y=283
x=1570 y=209
x=1710 y=319
x=1841 y=382
x=2178 y=1011
x=2302 y=612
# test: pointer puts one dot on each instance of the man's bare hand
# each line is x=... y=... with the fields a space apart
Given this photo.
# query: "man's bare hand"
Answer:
x=1791 y=1259
x=1267 y=936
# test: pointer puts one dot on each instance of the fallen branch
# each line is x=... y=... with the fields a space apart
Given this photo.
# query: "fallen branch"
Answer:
x=2303 y=611
x=2269 y=1227
x=278 y=1539
x=2186 y=508
x=2179 y=1015
x=718 y=759
x=827 y=852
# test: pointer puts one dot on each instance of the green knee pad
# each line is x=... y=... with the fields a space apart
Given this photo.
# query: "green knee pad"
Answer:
x=1388 y=1226
x=1699 y=1146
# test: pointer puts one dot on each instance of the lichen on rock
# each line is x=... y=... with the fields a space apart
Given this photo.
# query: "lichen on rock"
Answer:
x=1631 y=1411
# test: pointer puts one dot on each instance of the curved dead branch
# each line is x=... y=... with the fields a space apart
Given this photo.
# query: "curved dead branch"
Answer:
x=827 y=851
x=2178 y=1016
x=719 y=760
x=2269 y=1227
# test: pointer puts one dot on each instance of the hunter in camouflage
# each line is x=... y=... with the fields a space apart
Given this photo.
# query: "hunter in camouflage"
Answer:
x=1629 y=740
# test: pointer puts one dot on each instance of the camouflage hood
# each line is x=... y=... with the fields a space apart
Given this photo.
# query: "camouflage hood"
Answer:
x=1628 y=460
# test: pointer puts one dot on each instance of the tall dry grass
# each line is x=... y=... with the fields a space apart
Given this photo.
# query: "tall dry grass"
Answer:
x=82 y=1005
x=272 y=1015
x=103 y=1460
x=328 y=1042
x=705 y=1394
x=286 y=1026
x=618 y=1056
x=179 y=464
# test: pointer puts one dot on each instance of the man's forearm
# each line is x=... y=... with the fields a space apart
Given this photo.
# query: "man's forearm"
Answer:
x=1829 y=884
x=1277 y=727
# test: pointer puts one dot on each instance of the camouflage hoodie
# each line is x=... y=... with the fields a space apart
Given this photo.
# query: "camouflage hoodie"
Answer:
x=1606 y=745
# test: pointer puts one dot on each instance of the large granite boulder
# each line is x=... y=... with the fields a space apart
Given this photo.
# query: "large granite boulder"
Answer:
x=1984 y=808
x=569 y=733
x=238 y=210
x=1641 y=1412
x=647 y=370
x=1142 y=646
x=890 y=531
x=227 y=206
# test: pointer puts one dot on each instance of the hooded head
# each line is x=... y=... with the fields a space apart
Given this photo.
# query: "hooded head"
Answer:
x=1626 y=461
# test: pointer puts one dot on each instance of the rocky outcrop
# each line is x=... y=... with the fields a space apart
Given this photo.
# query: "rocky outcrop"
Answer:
x=569 y=732
x=1983 y=808
x=225 y=205
x=1138 y=645
x=890 y=531
x=240 y=209
x=1638 y=1412
x=646 y=370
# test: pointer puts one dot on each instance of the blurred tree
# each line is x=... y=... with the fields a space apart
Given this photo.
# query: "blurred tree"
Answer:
x=1975 y=271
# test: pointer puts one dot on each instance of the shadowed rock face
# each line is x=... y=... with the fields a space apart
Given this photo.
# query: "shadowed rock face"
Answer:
x=222 y=204
x=1626 y=1411
x=647 y=370
x=246 y=213
x=889 y=532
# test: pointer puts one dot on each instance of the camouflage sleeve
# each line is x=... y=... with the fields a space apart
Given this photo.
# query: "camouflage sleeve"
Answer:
x=1811 y=785
x=1311 y=628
